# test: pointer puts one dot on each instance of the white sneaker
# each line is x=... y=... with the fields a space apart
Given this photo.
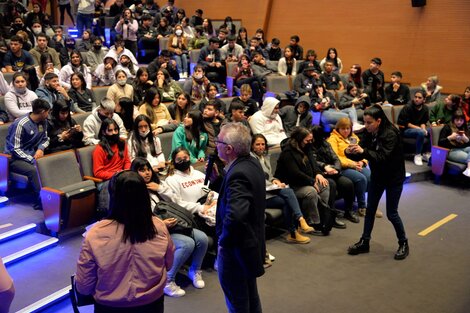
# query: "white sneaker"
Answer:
x=357 y=127
x=467 y=172
x=185 y=75
x=418 y=160
x=196 y=277
x=173 y=290
x=271 y=257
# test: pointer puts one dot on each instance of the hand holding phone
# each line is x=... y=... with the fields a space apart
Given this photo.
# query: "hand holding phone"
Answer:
x=353 y=141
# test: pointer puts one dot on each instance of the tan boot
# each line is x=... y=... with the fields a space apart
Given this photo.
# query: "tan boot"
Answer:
x=297 y=238
x=379 y=214
x=303 y=226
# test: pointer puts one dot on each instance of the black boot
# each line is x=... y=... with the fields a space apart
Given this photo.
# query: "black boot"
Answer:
x=403 y=250
x=359 y=247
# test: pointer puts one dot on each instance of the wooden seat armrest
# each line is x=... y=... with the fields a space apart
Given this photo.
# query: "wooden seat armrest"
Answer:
x=5 y=155
x=53 y=190
x=94 y=179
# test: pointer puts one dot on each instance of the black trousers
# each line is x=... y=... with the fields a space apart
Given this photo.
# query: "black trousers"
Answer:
x=154 y=307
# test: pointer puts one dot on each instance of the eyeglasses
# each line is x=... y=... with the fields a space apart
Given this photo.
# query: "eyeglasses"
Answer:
x=221 y=142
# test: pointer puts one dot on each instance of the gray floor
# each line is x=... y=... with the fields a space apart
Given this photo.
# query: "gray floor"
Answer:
x=321 y=277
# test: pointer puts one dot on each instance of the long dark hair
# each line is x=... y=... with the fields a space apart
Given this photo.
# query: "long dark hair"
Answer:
x=82 y=79
x=127 y=112
x=375 y=111
x=335 y=60
x=104 y=143
x=296 y=138
x=147 y=102
x=139 y=73
x=60 y=106
x=44 y=59
x=139 y=146
x=81 y=67
x=141 y=163
x=356 y=78
x=256 y=136
x=181 y=113
x=194 y=131
x=129 y=205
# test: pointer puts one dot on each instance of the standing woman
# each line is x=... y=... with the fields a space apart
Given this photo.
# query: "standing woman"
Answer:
x=383 y=148
x=65 y=5
x=83 y=99
x=125 y=258
x=127 y=26
x=332 y=55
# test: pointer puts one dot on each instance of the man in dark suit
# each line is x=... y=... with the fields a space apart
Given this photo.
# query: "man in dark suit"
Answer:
x=240 y=220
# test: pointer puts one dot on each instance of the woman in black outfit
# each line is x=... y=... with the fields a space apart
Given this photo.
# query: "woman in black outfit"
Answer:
x=382 y=146
x=83 y=99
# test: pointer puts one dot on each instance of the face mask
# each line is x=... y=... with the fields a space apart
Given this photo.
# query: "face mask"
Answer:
x=183 y=166
x=113 y=139
x=125 y=64
x=122 y=82
x=308 y=147
x=144 y=134
x=21 y=90
x=178 y=32
x=97 y=47
x=198 y=76
x=102 y=117
x=37 y=30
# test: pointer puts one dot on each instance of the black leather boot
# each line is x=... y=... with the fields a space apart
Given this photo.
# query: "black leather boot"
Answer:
x=403 y=250
x=359 y=247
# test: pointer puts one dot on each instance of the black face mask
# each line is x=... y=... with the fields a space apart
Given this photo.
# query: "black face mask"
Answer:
x=97 y=47
x=113 y=139
x=183 y=166
x=308 y=147
x=102 y=117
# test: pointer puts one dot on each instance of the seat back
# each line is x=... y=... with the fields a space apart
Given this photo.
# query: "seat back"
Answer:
x=277 y=84
x=163 y=43
x=165 y=139
x=8 y=77
x=80 y=117
x=388 y=113
x=435 y=132
x=85 y=160
x=100 y=93
x=59 y=169
x=3 y=136
x=193 y=59
x=230 y=67
x=396 y=109
x=2 y=104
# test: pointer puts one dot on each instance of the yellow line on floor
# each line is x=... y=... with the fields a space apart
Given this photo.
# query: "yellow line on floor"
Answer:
x=6 y=225
x=438 y=224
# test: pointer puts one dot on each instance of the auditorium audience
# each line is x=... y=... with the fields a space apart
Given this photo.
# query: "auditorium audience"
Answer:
x=76 y=64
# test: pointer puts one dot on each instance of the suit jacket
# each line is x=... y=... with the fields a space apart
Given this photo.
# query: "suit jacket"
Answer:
x=240 y=214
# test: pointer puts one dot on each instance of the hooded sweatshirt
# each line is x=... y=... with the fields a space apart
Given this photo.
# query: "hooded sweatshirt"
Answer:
x=292 y=118
x=269 y=124
x=19 y=104
x=103 y=77
x=92 y=124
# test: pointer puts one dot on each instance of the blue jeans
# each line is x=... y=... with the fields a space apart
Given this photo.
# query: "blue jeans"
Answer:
x=392 y=200
x=185 y=247
x=459 y=155
x=240 y=289
x=181 y=63
x=419 y=135
x=361 y=182
x=287 y=201
x=84 y=20
x=352 y=113
x=331 y=116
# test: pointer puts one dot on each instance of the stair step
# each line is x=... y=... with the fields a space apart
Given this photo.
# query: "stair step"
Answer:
x=28 y=250
x=17 y=232
x=47 y=301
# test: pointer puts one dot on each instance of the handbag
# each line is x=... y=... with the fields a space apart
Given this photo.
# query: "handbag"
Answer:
x=77 y=298
x=185 y=219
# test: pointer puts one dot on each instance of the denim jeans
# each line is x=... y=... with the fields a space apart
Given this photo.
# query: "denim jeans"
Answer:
x=352 y=113
x=331 y=116
x=181 y=63
x=186 y=246
x=459 y=155
x=393 y=194
x=84 y=21
x=287 y=201
x=361 y=182
x=419 y=135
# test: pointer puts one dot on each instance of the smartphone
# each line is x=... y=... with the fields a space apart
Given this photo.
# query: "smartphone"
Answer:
x=461 y=132
x=353 y=141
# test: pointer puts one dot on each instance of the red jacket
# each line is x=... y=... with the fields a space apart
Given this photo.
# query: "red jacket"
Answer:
x=104 y=168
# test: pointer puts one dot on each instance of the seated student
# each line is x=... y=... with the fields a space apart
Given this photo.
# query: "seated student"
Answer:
x=212 y=120
x=397 y=93
x=164 y=28
x=141 y=84
x=105 y=73
x=156 y=111
x=187 y=29
x=298 y=115
x=287 y=65
x=16 y=58
x=163 y=61
x=119 y=48
x=268 y=122
x=305 y=81
x=242 y=38
x=120 y=89
x=167 y=86
x=109 y=157
x=374 y=80
x=243 y=74
x=274 y=50
x=432 y=89
x=7 y=289
x=310 y=61
x=200 y=40
x=26 y=141
x=442 y=112
x=52 y=90
x=357 y=171
x=193 y=245
x=236 y=113
x=332 y=55
x=147 y=34
x=45 y=66
x=355 y=78
x=211 y=95
x=64 y=133
x=178 y=46
x=297 y=50
x=232 y=51
x=197 y=84
x=18 y=101
x=127 y=66
x=298 y=168
x=455 y=136
x=4 y=85
x=222 y=34
x=255 y=47
x=414 y=118
x=83 y=99
x=58 y=42
x=92 y=123
x=354 y=104
x=41 y=47
x=324 y=102
x=262 y=68
x=279 y=195
x=75 y=65
x=329 y=78
x=250 y=105
x=127 y=111
x=191 y=136
x=211 y=59
x=145 y=144
x=188 y=184
x=96 y=55
x=180 y=107
x=329 y=163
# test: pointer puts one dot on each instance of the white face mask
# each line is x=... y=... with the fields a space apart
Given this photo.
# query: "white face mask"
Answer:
x=21 y=90
x=144 y=134
x=198 y=76
x=178 y=32
x=37 y=30
x=122 y=82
